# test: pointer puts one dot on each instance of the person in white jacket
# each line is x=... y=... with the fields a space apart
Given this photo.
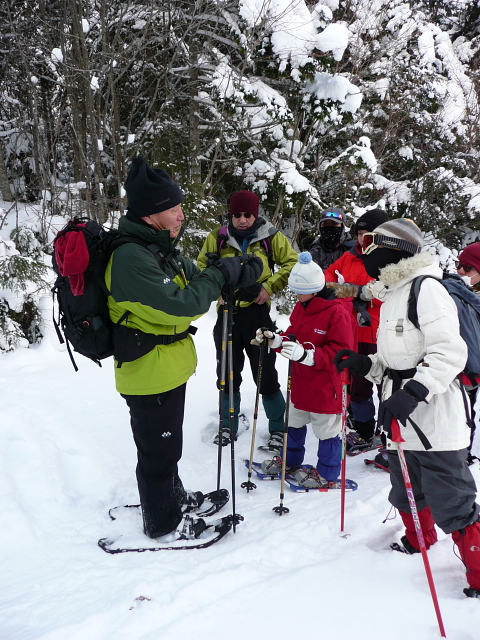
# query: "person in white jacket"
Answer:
x=419 y=369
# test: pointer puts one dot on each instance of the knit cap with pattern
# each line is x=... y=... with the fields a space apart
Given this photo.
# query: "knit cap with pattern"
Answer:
x=306 y=276
x=402 y=229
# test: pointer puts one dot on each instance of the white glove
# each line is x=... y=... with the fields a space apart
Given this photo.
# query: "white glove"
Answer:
x=295 y=351
x=273 y=340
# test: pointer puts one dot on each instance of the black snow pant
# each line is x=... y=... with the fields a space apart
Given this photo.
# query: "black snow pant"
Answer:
x=246 y=321
x=156 y=422
x=440 y=480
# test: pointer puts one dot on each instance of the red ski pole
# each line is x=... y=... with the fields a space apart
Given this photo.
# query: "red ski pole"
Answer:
x=398 y=439
x=345 y=378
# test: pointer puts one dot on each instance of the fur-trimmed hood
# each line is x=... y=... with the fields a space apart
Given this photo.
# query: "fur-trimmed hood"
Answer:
x=395 y=275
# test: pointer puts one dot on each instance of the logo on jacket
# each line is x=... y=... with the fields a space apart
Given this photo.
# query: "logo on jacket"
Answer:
x=320 y=331
x=166 y=434
x=166 y=280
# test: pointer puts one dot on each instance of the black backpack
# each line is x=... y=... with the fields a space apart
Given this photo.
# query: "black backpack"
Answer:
x=83 y=320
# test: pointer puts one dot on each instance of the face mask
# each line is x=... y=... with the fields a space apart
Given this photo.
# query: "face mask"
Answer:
x=330 y=237
x=380 y=258
x=467 y=280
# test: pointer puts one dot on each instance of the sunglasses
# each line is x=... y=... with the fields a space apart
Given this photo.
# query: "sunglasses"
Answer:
x=372 y=241
x=466 y=267
x=245 y=215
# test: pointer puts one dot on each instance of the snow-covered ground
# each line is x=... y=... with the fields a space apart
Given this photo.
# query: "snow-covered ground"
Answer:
x=67 y=456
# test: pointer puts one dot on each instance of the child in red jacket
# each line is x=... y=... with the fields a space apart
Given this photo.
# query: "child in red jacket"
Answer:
x=322 y=326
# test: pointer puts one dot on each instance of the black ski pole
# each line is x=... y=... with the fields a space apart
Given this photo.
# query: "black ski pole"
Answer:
x=281 y=509
x=229 y=302
x=248 y=485
x=221 y=395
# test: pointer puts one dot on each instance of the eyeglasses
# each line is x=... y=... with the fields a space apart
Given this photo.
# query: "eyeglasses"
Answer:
x=372 y=241
x=332 y=214
x=245 y=215
x=466 y=267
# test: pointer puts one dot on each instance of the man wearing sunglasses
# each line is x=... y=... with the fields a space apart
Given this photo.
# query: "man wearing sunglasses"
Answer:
x=247 y=233
x=419 y=370
x=333 y=240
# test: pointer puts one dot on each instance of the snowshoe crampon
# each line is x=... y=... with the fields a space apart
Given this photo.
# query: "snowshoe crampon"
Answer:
x=299 y=482
x=212 y=533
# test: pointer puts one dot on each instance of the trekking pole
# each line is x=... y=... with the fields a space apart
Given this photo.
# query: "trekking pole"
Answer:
x=229 y=298
x=345 y=378
x=398 y=439
x=248 y=485
x=281 y=509
x=221 y=395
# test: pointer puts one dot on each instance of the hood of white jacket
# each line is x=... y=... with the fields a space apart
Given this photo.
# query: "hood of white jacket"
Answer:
x=395 y=275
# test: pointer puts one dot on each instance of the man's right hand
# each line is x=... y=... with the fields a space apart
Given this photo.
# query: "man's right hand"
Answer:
x=238 y=270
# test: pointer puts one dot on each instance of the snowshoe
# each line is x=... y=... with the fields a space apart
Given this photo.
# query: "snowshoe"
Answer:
x=380 y=461
x=191 y=534
x=405 y=547
x=308 y=479
x=274 y=444
x=356 y=445
x=226 y=439
x=212 y=502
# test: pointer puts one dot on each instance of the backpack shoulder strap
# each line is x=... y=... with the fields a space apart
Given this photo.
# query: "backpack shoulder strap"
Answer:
x=222 y=238
x=412 y=311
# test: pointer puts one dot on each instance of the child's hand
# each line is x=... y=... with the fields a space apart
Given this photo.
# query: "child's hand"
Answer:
x=295 y=351
x=273 y=340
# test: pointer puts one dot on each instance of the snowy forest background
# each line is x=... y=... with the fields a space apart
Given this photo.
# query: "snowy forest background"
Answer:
x=354 y=103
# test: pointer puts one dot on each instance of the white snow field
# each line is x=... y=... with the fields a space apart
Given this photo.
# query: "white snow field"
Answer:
x=67 y=456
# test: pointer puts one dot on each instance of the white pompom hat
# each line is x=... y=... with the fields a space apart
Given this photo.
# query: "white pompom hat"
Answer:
x=306 y=276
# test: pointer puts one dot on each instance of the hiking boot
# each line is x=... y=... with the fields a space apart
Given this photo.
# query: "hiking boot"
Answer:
x=382 y=457
x=192 y=501
x=310 y=479
x=274 y=466
x=226 y=440
x=190 y=528
x=275 y=442
x=470 y=592
x=405 y=547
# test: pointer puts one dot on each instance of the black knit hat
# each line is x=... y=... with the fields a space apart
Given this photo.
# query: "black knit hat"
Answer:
x=370 y=220
x=150 y=190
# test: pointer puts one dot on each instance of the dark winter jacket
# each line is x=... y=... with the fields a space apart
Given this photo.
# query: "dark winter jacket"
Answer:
x=162 y=301
x=352 y=268
x=327 y=325
x=325 y=259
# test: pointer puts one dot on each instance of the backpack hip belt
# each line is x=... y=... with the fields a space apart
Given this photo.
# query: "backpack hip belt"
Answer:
x=132 y=344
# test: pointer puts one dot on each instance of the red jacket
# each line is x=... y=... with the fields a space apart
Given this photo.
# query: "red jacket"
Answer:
x=329 y=326
x=352 y=268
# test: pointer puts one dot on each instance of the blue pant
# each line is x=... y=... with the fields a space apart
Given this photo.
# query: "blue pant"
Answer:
x=329 y=453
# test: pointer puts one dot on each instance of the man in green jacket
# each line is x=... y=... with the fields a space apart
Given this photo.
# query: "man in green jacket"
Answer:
x=248 y=234
x=155 y=295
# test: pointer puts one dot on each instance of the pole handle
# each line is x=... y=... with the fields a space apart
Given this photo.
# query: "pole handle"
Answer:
x=396 y=431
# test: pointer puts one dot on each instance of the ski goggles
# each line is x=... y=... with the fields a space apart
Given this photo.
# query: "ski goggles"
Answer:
x=466 y=267
x=245 y=215
x=328 y=215
x=372 y=241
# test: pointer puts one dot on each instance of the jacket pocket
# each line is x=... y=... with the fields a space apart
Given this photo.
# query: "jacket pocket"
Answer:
x=403 y=338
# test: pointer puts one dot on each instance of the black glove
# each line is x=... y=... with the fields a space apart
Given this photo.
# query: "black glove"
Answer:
x=404 y=402
x=348 y=359
x=242 y=270
x=252 y=269
x=249 y=294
